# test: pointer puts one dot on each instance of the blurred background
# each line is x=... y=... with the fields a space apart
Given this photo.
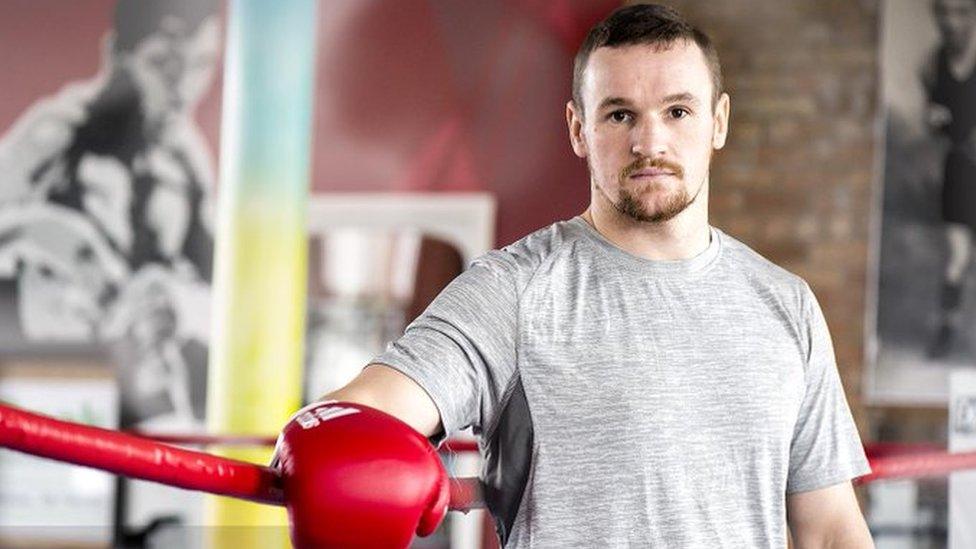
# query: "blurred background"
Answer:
x=437 y=132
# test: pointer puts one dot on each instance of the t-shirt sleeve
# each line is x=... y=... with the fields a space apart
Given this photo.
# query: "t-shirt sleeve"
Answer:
x=826 y=448
x=460 y=348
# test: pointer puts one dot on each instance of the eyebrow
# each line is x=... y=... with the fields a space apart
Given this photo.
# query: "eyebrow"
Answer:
x=613 y=101
x=683 y=97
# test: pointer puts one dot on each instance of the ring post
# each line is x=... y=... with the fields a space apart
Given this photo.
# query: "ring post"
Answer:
x=259 y=281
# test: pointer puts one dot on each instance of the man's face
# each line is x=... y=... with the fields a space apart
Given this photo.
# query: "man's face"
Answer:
x=649 y=128
x=173 y=67
x=956 y=20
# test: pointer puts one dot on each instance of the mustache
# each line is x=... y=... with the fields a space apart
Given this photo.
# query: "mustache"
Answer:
x=645 y=163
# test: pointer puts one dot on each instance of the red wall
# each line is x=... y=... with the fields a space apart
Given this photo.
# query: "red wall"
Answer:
x=453 y=96
x=413 y=95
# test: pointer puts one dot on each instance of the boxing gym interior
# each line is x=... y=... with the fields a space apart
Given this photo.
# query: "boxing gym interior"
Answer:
x=215 y=212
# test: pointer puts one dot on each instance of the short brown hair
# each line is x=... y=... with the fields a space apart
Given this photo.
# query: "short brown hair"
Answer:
x=650 y=24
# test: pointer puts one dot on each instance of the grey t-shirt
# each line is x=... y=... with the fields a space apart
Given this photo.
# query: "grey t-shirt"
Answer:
x=628 y=402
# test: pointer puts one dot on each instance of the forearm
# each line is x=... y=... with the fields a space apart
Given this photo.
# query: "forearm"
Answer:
x=841 y=538
x=827 y=518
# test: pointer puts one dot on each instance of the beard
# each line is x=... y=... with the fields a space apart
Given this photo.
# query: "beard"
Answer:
x=630 y=204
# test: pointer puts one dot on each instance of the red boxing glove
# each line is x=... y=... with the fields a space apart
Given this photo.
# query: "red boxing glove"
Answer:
x=357 y=477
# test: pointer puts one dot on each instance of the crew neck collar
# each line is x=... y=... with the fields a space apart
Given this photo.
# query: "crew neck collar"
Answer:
x=696 y=264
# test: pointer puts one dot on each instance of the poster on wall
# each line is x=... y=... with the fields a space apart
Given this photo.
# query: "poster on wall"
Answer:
x=924 y=313
x=106 y=181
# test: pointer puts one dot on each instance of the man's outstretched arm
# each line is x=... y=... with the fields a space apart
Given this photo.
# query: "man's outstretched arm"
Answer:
x=386 y=389
x=827 y=518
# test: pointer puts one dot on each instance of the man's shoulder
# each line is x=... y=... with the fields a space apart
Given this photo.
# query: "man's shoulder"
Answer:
x=519 y=262
x=524 y=256
x=760 y=271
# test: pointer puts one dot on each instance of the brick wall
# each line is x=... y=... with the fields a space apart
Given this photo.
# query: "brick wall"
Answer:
x=795 y=180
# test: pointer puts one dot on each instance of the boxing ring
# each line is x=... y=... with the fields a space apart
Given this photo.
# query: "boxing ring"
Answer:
x=246 y=229
x=156 y=458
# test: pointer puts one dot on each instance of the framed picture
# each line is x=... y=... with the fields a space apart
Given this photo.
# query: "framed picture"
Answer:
x=922 y=302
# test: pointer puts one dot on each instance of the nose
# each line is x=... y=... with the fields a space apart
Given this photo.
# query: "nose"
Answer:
x=649 y=138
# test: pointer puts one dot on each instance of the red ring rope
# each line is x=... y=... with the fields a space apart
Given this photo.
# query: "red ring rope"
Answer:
x=136 y=457
x=888 y=460
x=926 y=464
x=146 y=459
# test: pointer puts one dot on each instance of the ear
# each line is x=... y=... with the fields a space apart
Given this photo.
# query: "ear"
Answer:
x=720 y=128
x=574 y=119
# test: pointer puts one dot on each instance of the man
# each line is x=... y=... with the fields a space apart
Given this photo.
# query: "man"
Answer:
x=637 y=377
x=106 y=185
x=949 y=79
x=122 y=150
x=139 y=146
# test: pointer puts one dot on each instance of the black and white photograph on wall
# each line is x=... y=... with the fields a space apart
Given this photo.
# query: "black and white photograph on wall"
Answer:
x=106 y=186
x=924 y=238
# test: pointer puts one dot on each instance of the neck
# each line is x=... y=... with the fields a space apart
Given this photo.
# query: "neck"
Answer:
x=682 y=237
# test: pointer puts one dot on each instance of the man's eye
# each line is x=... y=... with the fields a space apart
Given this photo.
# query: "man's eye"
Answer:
x=620 y=116
x=679 y=112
